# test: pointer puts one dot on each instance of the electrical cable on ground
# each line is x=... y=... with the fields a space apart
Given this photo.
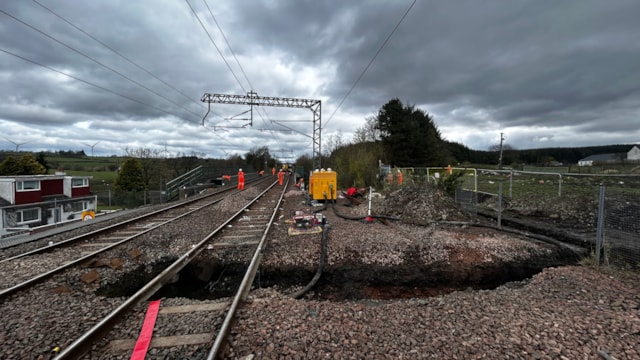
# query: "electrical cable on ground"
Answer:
x=316 y=277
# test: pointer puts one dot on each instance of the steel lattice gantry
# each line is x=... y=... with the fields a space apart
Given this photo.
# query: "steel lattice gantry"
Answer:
x=252 y=98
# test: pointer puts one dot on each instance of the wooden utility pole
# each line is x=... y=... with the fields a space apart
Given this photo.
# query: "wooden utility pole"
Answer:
x=500 y=158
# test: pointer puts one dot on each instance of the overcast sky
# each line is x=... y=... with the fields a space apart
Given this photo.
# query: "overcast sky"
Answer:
x=116 y=74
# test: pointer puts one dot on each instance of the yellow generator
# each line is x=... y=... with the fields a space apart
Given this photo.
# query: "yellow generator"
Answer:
x=323 y=184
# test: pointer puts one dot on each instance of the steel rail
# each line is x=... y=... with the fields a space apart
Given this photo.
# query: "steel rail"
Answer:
x=83 y=344
x=245 y=285
x=34 y=280
x=108 y=228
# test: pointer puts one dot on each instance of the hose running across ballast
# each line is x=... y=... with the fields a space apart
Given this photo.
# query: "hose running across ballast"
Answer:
x=323 y=246
x=316 y=277
x=323 y=254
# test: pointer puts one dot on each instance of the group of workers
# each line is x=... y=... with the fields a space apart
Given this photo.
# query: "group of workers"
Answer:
x=399 y=177
x=261 y=173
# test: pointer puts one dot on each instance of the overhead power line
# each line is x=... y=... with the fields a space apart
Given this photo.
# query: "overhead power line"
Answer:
x=239 y=65
x=92 y=84
x=225 y=60
x=116 y=52
x=95 y=61
x=215 y=45
x=104 y=89
x=228 y=45
x=369 y=64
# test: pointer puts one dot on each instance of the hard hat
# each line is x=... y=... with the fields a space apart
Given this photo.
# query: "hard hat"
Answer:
x=240 y=170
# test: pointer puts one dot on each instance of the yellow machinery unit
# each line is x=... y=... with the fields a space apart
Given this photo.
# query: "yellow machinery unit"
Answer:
x=323 y=184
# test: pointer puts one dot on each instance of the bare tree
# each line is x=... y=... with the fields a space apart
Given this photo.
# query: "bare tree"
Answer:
x=368 y=132
x=151 y=163
x=334 y=141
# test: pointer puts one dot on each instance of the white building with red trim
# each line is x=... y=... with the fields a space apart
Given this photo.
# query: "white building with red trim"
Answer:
x=31 y=201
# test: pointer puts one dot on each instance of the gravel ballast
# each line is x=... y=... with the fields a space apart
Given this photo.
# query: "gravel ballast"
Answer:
x=562 y=312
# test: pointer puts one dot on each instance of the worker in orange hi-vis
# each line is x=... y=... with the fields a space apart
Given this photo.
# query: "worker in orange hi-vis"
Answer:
x=280 y=177
x=240 y=180
x=399 y=177
x=273 y=171
x=448 y=169
x=390 y=177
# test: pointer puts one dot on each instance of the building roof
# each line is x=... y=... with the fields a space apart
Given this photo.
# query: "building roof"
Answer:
x=604 y=157
x=12 y=178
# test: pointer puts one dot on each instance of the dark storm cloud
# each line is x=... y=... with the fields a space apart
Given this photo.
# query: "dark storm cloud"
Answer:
x=520 y=61
x=546 y=73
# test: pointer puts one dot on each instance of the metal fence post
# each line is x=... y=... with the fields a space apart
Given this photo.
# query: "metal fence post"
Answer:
x=599 y=230
x=511 y=184
x=500 y=204
x=560 y=185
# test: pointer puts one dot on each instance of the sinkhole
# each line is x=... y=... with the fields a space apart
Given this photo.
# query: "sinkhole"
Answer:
x=204 y=280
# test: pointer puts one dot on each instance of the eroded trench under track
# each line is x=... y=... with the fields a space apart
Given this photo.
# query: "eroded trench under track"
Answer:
x=205 y=279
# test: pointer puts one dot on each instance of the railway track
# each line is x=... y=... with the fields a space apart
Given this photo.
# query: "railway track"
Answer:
x=210 y=320
x=43 y=262
x=58 y=291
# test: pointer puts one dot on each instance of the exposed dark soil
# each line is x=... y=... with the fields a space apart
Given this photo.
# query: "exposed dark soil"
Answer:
x=354 y=276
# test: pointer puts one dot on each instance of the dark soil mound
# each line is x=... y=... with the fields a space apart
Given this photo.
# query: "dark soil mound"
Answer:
x=421 y=205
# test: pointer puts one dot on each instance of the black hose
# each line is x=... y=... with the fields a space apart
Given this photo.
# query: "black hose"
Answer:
x=539 y=237
x=316 y=277
x=333 y=206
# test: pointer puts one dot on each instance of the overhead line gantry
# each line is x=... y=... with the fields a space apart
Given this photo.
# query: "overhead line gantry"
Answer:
x=252 y=99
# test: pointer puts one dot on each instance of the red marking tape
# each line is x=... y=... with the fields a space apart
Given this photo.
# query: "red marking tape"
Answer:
x=144 y=339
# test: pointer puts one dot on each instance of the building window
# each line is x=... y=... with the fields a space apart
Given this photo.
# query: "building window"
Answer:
x=31 y=185
x=79 y=206
x=25 y=216
x=79 y=182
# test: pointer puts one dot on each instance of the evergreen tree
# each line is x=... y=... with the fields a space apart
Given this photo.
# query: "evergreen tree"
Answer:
x=10 y=166
x=130 y=176
x=26 y=165
x=41 y=159
x=410 y=136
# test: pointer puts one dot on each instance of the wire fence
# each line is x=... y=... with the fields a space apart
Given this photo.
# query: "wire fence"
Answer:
x=604 y=209
x=619 y=239
x=128 y=200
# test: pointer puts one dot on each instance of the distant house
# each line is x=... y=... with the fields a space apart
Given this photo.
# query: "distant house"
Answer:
x=601 y=159
x=634 y=154
x=28 y=201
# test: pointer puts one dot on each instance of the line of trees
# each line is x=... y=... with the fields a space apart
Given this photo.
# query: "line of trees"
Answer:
x=405 y=136
x=400 y=135
x=26 y=164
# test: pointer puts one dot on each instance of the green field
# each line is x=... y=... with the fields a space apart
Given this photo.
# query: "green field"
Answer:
x=102 y=169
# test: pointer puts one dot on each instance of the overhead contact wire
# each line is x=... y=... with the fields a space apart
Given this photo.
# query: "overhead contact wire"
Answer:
x=237 y=62
x=95 y=61
x=370 y=62
x=91 y=84
x=115 y=51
